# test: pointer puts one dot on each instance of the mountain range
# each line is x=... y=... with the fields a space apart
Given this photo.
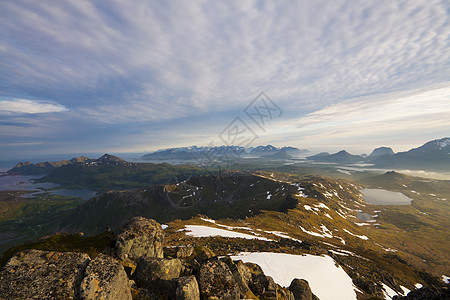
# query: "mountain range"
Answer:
x=433 y=155
x=194 y=152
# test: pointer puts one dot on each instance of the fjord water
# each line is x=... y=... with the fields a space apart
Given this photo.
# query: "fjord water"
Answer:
x=385 y=197
x=27 y=183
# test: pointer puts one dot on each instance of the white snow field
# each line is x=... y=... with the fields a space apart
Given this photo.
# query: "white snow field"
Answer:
x=327 y=281
x=206 y=231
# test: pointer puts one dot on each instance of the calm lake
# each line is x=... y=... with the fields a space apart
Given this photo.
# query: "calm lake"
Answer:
x=385 y=197
x=26 y=183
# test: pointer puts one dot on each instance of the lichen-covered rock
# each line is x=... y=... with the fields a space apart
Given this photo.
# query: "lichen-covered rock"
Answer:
x=35 y=274
x=241 y=274
x=300 y=289
x=149 y=270
x=187 y=288
x=105 y=278
x=203 y=253
x=263 y=286
x=139 y=237
x=216 y=281
x=284 y=293
x=185 y=251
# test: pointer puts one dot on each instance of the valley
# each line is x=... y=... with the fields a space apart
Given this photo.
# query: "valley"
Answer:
x=391 y=241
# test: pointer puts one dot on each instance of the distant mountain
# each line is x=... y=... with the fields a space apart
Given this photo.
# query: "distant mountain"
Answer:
x=280 y=154
x=264 y=150
x=339 y=157
x=380 y=152
x=28 y=168
x=292 y=151
x=433 y=155
x=318 y=156
x=106 y=160
x=110 y=172
x=194 y=152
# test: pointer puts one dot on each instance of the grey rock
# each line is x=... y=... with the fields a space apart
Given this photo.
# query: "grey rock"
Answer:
x=139 y=237
x=36 y=274
x=105 y=278
x=216 y=281
x=187 y=288
x=300 y=289
x=151 y=271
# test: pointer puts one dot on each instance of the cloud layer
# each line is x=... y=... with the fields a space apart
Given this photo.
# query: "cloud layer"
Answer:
x=159 y=67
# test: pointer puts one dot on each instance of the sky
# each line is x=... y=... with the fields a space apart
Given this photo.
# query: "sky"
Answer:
x=136 y=76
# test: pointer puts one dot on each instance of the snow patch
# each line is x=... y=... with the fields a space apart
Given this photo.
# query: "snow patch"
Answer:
x=418 y=285
x=388 y=292
x=311 y=232
x=405 y=290
x=363 y=237
x=321 y=205
x=326 y=279
x=205 y=231
x=446 y=279
x=164 y=226
x=282 y=235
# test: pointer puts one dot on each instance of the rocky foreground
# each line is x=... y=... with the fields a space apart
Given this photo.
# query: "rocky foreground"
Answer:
x=136 y=268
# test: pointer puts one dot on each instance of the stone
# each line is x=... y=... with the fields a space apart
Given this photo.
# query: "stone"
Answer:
x=139 y=237
x=151 y=271
x=263 y=286
x=185 y=251
x=216 y=281
x=203 y=254
x=43 y=275
x=105 y=278
x=241 y=274
x=187 y=288
x=284 y=293
x=300 y=289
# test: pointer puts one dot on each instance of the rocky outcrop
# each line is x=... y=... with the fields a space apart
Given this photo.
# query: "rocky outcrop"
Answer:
x=431 y=293
x=105 y=278
x=301 y=291
x=140 y=272
x=43 y=275
x=216 y=280
x=139 y=238
x=185 y=251
x=149 y=270
x=187 y=288
x=241 y=275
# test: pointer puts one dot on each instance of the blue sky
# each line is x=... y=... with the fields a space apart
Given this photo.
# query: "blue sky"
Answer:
x=118 y=76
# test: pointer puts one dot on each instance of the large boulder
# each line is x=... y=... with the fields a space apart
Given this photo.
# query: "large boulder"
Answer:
x=43 y=275
x=216 y=281
x=187 y=288
x=301 y=290
x=156 y=274
x=139 y=237
x=105 y=278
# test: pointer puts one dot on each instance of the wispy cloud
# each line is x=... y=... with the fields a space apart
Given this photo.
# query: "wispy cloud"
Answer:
x=398 y=119
x=24 y=106
x=156 y=62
